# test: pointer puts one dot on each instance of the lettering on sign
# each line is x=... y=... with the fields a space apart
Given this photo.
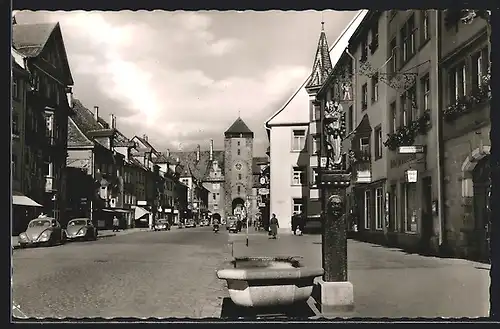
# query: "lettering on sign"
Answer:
x=402 y=159
x=411 y=176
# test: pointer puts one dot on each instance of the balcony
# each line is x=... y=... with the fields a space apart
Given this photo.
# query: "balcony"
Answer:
x=360 y=161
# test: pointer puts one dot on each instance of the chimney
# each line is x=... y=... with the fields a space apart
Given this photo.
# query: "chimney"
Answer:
x=69 y=96
x=211 y=149
x=112 y=121
x=198 y=153
x=177 y=160
x=96 y=113
x=145 y=137
x=167 y=153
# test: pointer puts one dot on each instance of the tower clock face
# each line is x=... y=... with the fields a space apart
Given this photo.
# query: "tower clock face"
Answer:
x=238 y=165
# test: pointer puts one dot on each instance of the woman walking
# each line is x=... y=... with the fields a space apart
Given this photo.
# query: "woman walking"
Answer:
x=273 y=226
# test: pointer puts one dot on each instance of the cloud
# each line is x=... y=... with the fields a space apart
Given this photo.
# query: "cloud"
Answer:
x=167 y=103
x=179 y=77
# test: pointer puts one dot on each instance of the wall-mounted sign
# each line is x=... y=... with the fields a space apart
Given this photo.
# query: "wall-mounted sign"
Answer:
x=142 y=203
x=411 y=149
x=263 y=181
x=323 y=162
x=435 y=208
x=411 y=176
x=262 y=204
x=263 y=191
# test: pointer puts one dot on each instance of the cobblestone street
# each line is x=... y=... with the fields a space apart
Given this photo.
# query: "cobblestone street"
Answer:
x=144 y=274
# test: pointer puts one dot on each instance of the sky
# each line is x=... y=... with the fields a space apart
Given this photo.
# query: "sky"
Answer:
x=183 y=78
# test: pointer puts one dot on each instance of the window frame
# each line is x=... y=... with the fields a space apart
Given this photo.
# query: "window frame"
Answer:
x=393 y=112
x=374 y=82
x=379 y=208
x=379 y=144
x=366 y=209
x=364 y=96
x=299 y=139
x=298 y=176
x=425 y=84
x=426 y=22
x=298 y=202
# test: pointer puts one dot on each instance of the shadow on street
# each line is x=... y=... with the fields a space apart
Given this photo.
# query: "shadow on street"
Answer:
x=231 y=311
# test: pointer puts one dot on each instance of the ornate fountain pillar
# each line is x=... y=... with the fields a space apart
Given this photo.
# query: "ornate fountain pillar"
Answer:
x=337 y=293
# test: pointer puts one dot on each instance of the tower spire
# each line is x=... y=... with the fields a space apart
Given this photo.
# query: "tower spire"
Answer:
x=322 y=66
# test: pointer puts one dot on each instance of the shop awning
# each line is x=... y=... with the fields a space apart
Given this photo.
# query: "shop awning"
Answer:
x=23 y=200
x=121 y=211
x=139 y=212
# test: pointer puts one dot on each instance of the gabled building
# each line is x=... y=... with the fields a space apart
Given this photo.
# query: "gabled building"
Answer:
x=202 y=173
x=42 y=50
x=95 y=170
x=145 y=153
x=294 y=141
x=28 y=180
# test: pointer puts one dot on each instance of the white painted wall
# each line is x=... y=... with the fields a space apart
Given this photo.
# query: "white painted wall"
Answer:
x=282 y=162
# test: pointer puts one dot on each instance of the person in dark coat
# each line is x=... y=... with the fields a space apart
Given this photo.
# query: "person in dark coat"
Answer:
x=273 y=226
x=294 y=223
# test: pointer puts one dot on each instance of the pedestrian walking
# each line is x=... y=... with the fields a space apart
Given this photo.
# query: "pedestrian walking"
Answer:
x=273 y=226
x=116 y=224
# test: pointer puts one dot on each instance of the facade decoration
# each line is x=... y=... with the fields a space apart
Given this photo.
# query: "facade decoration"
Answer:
x=469 y=102
x=334 y=127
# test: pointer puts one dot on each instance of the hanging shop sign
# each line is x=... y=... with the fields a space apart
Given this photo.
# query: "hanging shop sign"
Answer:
x=262 y=204
x=263 y=191
x=412 y=149
x=411 y=176
x=263 y=180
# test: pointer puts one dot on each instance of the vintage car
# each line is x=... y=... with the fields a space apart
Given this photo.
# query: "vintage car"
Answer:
x=42 y=231
x=81 y=229
x=162 y=225
x=190 y=223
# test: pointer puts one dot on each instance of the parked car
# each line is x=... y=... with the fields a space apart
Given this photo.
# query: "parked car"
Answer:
x=42 y=231
x=205 y=222
x=162 y=225
x=81 y=229
x=190 y=223
x=232 y=224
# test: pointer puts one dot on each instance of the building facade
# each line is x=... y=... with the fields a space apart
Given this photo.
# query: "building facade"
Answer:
x=465 y=104
x=238 y=155
x=418 y=128
x=95 y=165
x=42 y=48
x=293 y=135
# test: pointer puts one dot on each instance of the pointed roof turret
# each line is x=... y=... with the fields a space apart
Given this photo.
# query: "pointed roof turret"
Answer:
x=322 y=66
x=238 y=129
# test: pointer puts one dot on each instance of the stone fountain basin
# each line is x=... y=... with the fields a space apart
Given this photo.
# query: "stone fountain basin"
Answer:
x=268 y=281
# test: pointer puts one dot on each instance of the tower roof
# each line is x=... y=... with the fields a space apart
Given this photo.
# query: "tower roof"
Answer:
x=322 y=66
x=239 y=127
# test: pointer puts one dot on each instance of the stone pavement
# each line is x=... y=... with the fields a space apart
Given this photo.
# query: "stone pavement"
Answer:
x=146 y=274
x=389 y=282
x=101 y=234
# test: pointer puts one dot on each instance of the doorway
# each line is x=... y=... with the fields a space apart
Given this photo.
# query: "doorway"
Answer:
x=482 y=191
x=427 y=217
